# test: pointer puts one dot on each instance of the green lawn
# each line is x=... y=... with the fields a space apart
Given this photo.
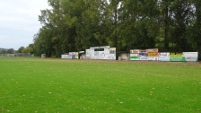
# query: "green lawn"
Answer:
x=34 y=85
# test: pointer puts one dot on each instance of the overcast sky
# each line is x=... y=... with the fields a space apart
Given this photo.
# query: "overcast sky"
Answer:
x=19 y=22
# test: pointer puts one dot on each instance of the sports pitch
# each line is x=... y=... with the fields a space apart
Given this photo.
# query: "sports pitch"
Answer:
x=34 y=85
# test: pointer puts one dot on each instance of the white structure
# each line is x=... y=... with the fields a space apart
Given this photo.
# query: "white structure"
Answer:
x=191 y=56
x=101 y=52
x=70 y=55
x=164 y=56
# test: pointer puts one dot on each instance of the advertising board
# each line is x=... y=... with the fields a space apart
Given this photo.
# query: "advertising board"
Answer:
x=70 y=55
x=191 y=56
x=88 y=54
x=152 y=54
x=134 y=54
x=164 y=56
x=177 y=57
x=143 y=55
x=112 y=54
x=64 y=56
x=147 y=54
x=101 y=52
x=74 y=55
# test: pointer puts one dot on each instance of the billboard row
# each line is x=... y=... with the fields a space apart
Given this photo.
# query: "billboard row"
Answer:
x=154 y=55
x=179 y=57
x=107 y=52
x=147 y=54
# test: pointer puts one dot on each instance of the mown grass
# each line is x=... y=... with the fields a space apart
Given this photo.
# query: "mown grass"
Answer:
x=30 y=85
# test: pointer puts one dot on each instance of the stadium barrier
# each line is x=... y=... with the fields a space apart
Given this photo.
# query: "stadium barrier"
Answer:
x=154 y=55
x=107 y=52
x=70 y=55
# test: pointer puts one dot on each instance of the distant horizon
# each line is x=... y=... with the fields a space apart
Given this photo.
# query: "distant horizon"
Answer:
x=8 y=48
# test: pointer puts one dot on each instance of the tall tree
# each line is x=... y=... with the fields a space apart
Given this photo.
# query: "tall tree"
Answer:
x=73 y=25
x=165 y=21
x=195 y=32
x=88 y=28
x=181 y=13
x=139 y=27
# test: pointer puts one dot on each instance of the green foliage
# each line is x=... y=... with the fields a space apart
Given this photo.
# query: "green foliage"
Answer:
x=28 y=49
x=53 y=85
x=7 y=51
x=11 y=51
x=73 y=25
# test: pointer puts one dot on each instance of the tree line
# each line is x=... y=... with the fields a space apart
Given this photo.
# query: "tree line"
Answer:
x=28 y=50
x=74 y=25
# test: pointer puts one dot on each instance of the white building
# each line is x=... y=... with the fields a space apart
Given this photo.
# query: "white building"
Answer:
x=101 y=52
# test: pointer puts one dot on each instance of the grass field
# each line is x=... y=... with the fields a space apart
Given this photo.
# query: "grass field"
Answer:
x=34 y=85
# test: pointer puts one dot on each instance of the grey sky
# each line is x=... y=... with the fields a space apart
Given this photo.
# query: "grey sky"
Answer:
x=19 y=22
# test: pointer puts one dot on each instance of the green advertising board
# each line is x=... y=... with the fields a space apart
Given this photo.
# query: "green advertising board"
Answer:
x=177 y=57
x=134 y=57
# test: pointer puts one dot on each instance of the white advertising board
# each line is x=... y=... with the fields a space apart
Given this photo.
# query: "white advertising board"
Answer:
x=65 y=56
x=165 y=56
x=70 y=55
x=191 y=56
x=101 y=52
x=88 y=54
